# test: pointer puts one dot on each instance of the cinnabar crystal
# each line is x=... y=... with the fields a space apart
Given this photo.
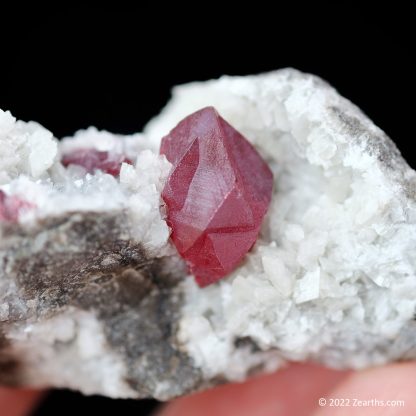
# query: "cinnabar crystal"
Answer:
x=11 y=206
x=216 y=195
x=92 y=159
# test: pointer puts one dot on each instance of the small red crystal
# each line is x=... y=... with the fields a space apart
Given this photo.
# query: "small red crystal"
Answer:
x=217 y=194
x=92 y=159
x=11 y=206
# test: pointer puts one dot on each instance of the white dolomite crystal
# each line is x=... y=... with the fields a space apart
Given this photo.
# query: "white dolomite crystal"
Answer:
x=94 y=297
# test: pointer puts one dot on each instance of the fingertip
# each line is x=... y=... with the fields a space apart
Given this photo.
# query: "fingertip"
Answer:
x=292 y=390
x=385 y=390
x=18 y=402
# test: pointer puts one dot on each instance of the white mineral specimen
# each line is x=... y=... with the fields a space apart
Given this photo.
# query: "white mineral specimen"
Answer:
x=26 y=148
x=93 y=296
x=333 y=276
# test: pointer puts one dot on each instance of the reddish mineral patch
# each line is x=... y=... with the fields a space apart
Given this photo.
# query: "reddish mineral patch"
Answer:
x=92 y=159
x=217 y=194
x=11 y=207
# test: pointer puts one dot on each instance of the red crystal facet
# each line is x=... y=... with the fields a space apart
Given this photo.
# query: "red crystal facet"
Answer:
x=92 y=159
x=217 y=194
x=11 y=206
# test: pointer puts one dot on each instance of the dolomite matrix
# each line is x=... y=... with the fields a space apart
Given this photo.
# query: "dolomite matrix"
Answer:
x=94 y=296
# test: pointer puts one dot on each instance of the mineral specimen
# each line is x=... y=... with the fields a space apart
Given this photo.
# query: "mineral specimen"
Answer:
x=217 y=193
x=94 y=297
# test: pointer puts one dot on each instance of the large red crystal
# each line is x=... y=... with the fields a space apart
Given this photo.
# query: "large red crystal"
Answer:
x=217 y=194
x=92 y=159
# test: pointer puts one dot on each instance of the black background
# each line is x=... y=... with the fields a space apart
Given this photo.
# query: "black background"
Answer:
x=71 y=69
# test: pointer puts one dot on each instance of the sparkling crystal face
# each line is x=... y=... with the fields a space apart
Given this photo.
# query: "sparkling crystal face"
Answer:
x=217 y=194
x=92 y=159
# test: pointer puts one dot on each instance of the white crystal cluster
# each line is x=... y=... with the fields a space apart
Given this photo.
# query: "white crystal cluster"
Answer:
x=30 y=169
x=26 y=148
x=88 y=365
x=333 y=276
